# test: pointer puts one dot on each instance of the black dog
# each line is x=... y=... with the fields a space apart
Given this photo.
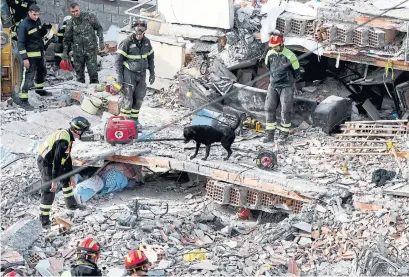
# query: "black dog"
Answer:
x=207 y=135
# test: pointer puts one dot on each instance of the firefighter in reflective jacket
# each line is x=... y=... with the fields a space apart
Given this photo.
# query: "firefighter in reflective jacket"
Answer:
x=53 y=161
x=58 y=47
x=88 y=252
x=31 y=47
x=284 y=70
x=135 y=56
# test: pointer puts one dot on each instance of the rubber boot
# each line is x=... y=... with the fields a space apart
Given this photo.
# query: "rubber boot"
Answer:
x=283 y=136
x=269 y=137
x=94 y=81
x=45 y=221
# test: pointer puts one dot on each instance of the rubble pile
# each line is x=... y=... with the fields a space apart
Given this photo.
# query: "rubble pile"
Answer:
x=198 y=237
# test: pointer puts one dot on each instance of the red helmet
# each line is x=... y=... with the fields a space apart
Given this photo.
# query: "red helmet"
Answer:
x=89 y=248
x=66 y=65
x=10 y=272
x=275 y=40
x=136 y=260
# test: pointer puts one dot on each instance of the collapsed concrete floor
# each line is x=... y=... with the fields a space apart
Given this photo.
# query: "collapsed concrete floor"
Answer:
x=347 y=223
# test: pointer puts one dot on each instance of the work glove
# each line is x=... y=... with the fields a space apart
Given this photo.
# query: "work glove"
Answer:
x=120 y=81
x=151 y=78
x=297 y=74
x=47 y=26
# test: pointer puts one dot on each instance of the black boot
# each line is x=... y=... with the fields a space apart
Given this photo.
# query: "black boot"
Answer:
x=269 y=137
x=71 y=203
x=94 y=81
x=45 y=221
x=283 y=136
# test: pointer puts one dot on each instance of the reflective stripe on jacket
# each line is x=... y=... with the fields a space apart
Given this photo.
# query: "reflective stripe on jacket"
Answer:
x=136 y=56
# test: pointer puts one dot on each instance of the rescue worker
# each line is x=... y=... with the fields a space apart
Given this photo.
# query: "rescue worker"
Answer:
x=58 y=47
x=20 y=10
x=14 y=272
x=88 y=252
x=284 y=70
x=53 y=161
x=80 y=37
x=31 y=47
x=136 y=263
x=135 y=57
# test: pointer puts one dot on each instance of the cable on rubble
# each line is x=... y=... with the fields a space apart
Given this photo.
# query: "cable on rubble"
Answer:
x=148 y=134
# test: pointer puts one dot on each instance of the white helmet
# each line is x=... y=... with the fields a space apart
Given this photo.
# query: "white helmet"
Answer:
x=68 y=17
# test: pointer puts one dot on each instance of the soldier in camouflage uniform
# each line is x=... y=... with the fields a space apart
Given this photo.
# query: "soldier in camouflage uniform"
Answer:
x=80 y=35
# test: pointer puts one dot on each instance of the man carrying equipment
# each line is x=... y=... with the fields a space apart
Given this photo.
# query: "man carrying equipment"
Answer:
x=135 y=56
x=88 y=252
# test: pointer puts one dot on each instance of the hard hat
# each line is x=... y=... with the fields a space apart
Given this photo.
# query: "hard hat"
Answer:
x=275 y=40
x=68 y=17
x=81 y=124
x=136 y=260
x=88 y=246
x=140 y=25
x=66 y=65
x=11 y=272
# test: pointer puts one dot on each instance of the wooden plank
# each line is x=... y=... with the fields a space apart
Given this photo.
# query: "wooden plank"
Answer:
x=363 y=140
x=378 y=125
x=359 y=154
x=217 y=174
x=377 y=121
x=360 y=58
x=404 y=130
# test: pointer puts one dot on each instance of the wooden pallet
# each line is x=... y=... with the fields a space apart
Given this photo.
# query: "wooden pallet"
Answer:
x=369 y=138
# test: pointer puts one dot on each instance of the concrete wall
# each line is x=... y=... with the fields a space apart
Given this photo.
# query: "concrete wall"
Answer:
x=169 y=54
x=108 y=13
x=206 y=13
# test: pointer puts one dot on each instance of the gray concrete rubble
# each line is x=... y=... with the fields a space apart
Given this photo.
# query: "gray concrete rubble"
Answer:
x=335 y=204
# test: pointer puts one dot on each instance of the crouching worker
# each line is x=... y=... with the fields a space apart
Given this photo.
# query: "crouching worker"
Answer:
x=88 y=252
x=284 y=71
x=136 y=263
x=54 y=160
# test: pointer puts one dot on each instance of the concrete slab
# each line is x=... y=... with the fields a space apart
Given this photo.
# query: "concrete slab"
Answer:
x=160 y=83
x=169 y=55
x=207 y=13
x=371 y=110
x=19 y=135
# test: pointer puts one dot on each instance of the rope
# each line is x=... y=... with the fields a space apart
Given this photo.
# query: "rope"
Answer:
x=248 y=84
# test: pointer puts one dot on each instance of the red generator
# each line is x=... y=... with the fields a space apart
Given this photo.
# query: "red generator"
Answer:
x=120 y=130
